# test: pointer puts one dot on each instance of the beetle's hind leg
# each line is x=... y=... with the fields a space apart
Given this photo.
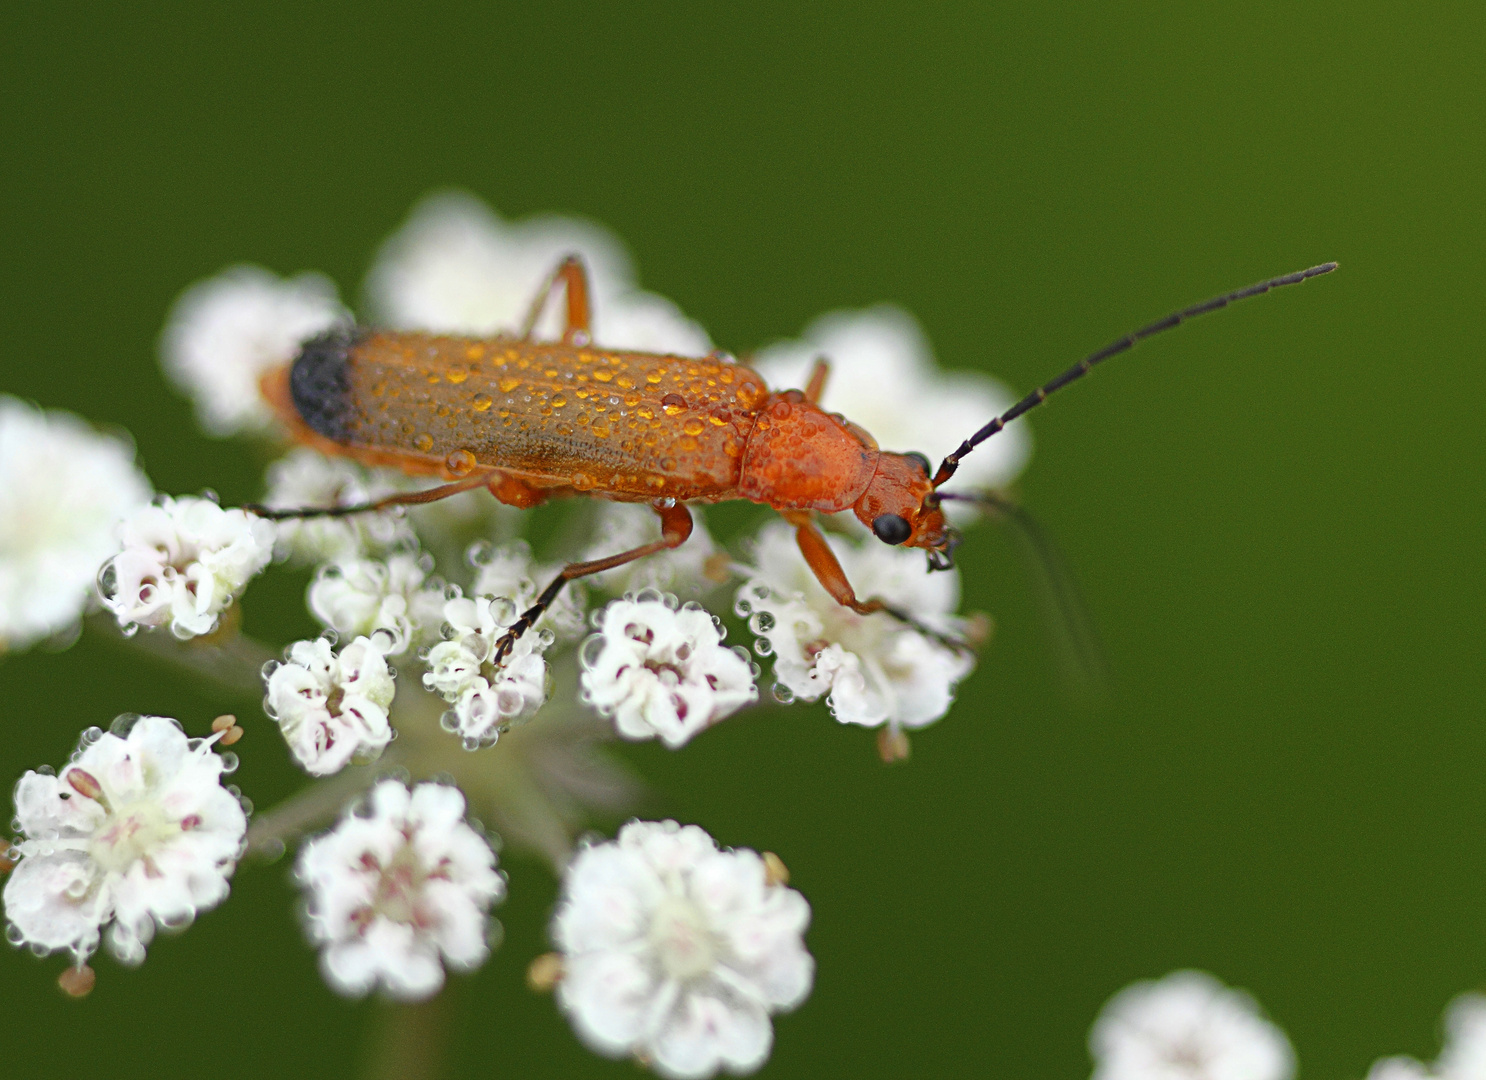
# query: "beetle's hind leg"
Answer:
x=827 y=570
x=675 y=528
x=406 y=498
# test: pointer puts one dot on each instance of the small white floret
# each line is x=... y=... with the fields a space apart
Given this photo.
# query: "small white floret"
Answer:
x=661 y=671
x=676 y=952
x=359 y=597
x=63 y=488
x=457 y=267
x=304 y=478
x=1463 y=1056
x=928 y=409
x=508 y=571
x=872 y=669
x=1187 y=1026
x=136 y=832
x=226 y=332
x=184 y=561
x=332 y=707
x=398 y=891
x=487 y=698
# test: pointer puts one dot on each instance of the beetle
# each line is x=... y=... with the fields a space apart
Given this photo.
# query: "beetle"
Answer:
x=535 y=420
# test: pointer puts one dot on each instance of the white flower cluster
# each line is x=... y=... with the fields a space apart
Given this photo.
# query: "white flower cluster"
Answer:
x=136 y=832
x=663 y=672
x=1187 y=1026
x=677 y=952
x=397 y=597
x=487 y=698
x=184 y=561
x=305 y=478
x=332 y=707
x=226 y=332
x=872 y=669
x=1464 y=1053
x=456 y=267
x=63 y=488
x=398 y=886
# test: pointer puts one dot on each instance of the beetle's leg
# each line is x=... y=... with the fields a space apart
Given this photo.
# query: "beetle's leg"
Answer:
x=675 y=527
x=827 y=570
x=407 y=498
x=817 y=384
x=570 y=274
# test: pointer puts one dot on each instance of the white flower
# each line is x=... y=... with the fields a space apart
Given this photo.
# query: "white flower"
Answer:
x=183 y=562
x=508 y=571
x=661 y=672
x=1464 y=1053
x=305 y=478
x=457 y=267
x=683 y=570
x=332 y=708
x=63 y=488
x=358 y=597
x=875 y=669
x=397 y=885
x=487 y=699
x=224 y=333
x=884 y=377
x=137 y=831
x=678 y=952
x=1187 y=1026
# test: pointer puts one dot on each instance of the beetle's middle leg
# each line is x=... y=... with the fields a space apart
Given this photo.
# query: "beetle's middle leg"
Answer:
x=827 y=570
x=675 y=527
x=817 y=384
x=573 y=278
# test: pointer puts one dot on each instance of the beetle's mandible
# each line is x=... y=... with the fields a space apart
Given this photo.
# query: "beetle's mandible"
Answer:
x=532 y=421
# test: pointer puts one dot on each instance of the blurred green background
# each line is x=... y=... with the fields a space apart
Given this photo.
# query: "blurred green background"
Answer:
x=1275 y=513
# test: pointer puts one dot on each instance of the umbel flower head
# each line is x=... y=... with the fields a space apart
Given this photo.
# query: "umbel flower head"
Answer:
x=184 y=561
x=1187 y=1026
x=63 y=488
x=137 y=831
x=399 y=885
x=677 y=952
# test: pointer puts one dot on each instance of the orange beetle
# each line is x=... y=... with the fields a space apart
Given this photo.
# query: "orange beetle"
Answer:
x=531 y=421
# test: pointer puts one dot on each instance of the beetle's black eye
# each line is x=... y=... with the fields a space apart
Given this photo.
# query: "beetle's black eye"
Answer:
x=891 y=529
x=922 y=459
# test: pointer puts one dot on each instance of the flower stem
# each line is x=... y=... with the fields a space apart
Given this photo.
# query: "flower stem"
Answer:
x=234 y=663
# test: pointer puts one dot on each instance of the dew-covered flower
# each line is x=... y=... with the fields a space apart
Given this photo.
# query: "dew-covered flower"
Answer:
x=332 y=707
x=874 y=669
x=689 y=571
x=358 y=597
x=401 y=882
x=661 y=671
x=1464 y=1053
x=183 y=563
x=225 y=332
x=677 y=952
x=884 y=377
x=136 y=832
x=306 y=478
x=508 y=571
x=457 y=267
x=63 y=488
x=487 y=698
x=1187 y=1026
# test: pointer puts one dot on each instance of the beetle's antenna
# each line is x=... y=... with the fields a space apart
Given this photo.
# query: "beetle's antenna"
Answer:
x=1082 y=368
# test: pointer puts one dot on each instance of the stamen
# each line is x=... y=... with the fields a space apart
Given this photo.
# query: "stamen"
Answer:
x=545 y=972
x=77 y=982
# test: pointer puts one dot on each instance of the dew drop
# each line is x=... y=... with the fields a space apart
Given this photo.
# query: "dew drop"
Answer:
x=742 y=608
x=449 y=721
x=762 y=622
x=481 y=403
x=763 y=646
x=783 y=694
x=423 y=441
x=230 y=763
x=124 y=723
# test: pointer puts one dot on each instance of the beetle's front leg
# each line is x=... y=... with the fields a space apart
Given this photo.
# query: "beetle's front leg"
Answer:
x=827 y=570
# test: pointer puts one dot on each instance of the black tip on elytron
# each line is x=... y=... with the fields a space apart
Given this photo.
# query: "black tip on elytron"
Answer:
x=321 y=386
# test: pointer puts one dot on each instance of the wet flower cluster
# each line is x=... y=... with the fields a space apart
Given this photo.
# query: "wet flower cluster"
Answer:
x=427 y=741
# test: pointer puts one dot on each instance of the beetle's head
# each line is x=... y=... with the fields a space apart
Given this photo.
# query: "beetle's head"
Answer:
x=901 y=508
